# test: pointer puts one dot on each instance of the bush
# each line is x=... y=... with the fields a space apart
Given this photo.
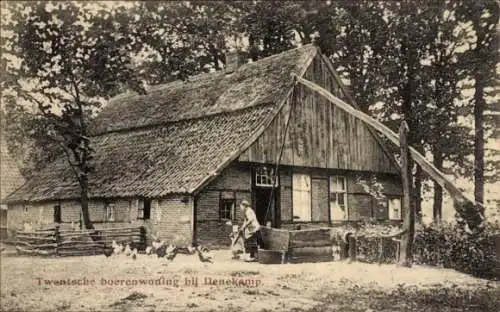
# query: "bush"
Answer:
x=445 y=245
x=450 y=246
x=368 y=250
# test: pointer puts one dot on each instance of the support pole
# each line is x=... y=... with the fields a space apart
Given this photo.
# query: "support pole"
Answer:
x=406 y=250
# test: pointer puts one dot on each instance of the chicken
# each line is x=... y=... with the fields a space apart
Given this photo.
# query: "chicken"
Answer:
x=191 y=250
x=128 y=250
x=108 y=252
x=157 y=244
x=134 y=254
x=171 y=252
x=117 y=248
x=161 y=251
x=204 y=255
x=149 y=250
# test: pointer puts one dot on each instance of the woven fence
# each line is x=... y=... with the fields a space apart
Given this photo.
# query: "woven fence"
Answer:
x=59 y=242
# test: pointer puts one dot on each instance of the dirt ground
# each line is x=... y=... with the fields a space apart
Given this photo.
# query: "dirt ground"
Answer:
x=119 y=283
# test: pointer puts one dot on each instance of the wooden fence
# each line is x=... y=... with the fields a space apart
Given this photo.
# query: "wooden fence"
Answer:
x=42 y=243
x=59 y=242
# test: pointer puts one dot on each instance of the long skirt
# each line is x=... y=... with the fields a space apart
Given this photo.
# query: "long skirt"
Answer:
x=252 y=244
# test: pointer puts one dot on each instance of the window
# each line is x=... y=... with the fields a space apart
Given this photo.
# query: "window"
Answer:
x=301 y=198
x=394 y=208
x=144 y=209
x=110 y=212
x=380 y=208
x=57 y=213
x=227 y=206
x=338 y=198
x=265 y=176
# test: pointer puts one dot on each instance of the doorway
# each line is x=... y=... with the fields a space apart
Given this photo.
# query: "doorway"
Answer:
x=261 y=198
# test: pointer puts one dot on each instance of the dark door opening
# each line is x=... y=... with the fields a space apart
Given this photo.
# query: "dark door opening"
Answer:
x=57 y=214
x=262 y=197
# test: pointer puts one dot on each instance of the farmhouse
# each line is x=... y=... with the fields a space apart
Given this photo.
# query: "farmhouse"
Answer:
x=179 y=159
x=10 y=179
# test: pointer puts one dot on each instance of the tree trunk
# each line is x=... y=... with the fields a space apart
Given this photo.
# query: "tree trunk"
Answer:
x=479 y=104
x=84 y=203
x=406 y=250
x=84 y=167
x=437 y=206
x=417 y=193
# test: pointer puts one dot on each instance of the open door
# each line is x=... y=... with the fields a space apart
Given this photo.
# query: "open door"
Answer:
x=264 y=200
x=265 y=195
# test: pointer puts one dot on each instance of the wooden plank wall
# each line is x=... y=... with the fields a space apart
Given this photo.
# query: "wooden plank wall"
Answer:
x=320 y=135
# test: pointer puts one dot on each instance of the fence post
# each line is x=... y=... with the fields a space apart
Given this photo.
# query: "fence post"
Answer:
x=16 y=239
x=406 y=251
x=351 y=242
x=57 y=236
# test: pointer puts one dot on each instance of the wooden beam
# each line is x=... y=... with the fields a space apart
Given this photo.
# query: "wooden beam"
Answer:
x=406 y=249
x=472 y=212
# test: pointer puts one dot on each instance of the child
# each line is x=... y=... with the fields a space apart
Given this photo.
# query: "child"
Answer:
x=237 y=243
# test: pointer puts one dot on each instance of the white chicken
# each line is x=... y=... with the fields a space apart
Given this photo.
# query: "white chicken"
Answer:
x=117 y=248
x=157 y=244
x=149 y=250
x=171 y=252
x=191 y=250
x=128 y=250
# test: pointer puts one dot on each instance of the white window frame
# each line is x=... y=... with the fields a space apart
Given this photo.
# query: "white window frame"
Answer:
x=141 y=208
x=391 y=209
x=224 y=208
x=265 y=177
x=298 y=198
x=110 y=212
x=336 y=190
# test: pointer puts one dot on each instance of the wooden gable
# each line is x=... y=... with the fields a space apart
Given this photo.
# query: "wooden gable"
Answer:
x=320 y=134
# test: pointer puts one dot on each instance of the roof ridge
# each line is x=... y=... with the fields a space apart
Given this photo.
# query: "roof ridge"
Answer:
x=206 y=94
x=169 y=122
x=157 y=87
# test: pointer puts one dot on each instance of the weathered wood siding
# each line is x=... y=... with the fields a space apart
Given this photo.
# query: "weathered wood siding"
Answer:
x=320 y=134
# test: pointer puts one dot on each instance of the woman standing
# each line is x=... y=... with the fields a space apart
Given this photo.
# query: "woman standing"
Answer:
x=250 y=229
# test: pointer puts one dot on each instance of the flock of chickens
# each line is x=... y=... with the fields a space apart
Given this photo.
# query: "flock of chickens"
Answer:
x=161 y=249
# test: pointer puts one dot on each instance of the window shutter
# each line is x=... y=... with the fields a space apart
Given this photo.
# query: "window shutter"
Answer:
x=320 y=200
x=301 y=197
x=133 y=204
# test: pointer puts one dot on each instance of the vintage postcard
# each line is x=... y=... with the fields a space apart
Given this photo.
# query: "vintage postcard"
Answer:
x=250 y=156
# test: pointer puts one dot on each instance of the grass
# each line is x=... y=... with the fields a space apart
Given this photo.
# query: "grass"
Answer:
x=438 y=298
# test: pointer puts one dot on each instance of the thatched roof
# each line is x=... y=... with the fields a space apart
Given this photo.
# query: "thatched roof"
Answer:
x=264 y=81
x=178 y=136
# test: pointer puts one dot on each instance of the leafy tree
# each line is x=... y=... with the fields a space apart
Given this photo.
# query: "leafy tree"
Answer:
x=354 y=36
x=72 y=56
x=443 y=72
x=270 y=26
x=483 y=58
x=180 y=39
